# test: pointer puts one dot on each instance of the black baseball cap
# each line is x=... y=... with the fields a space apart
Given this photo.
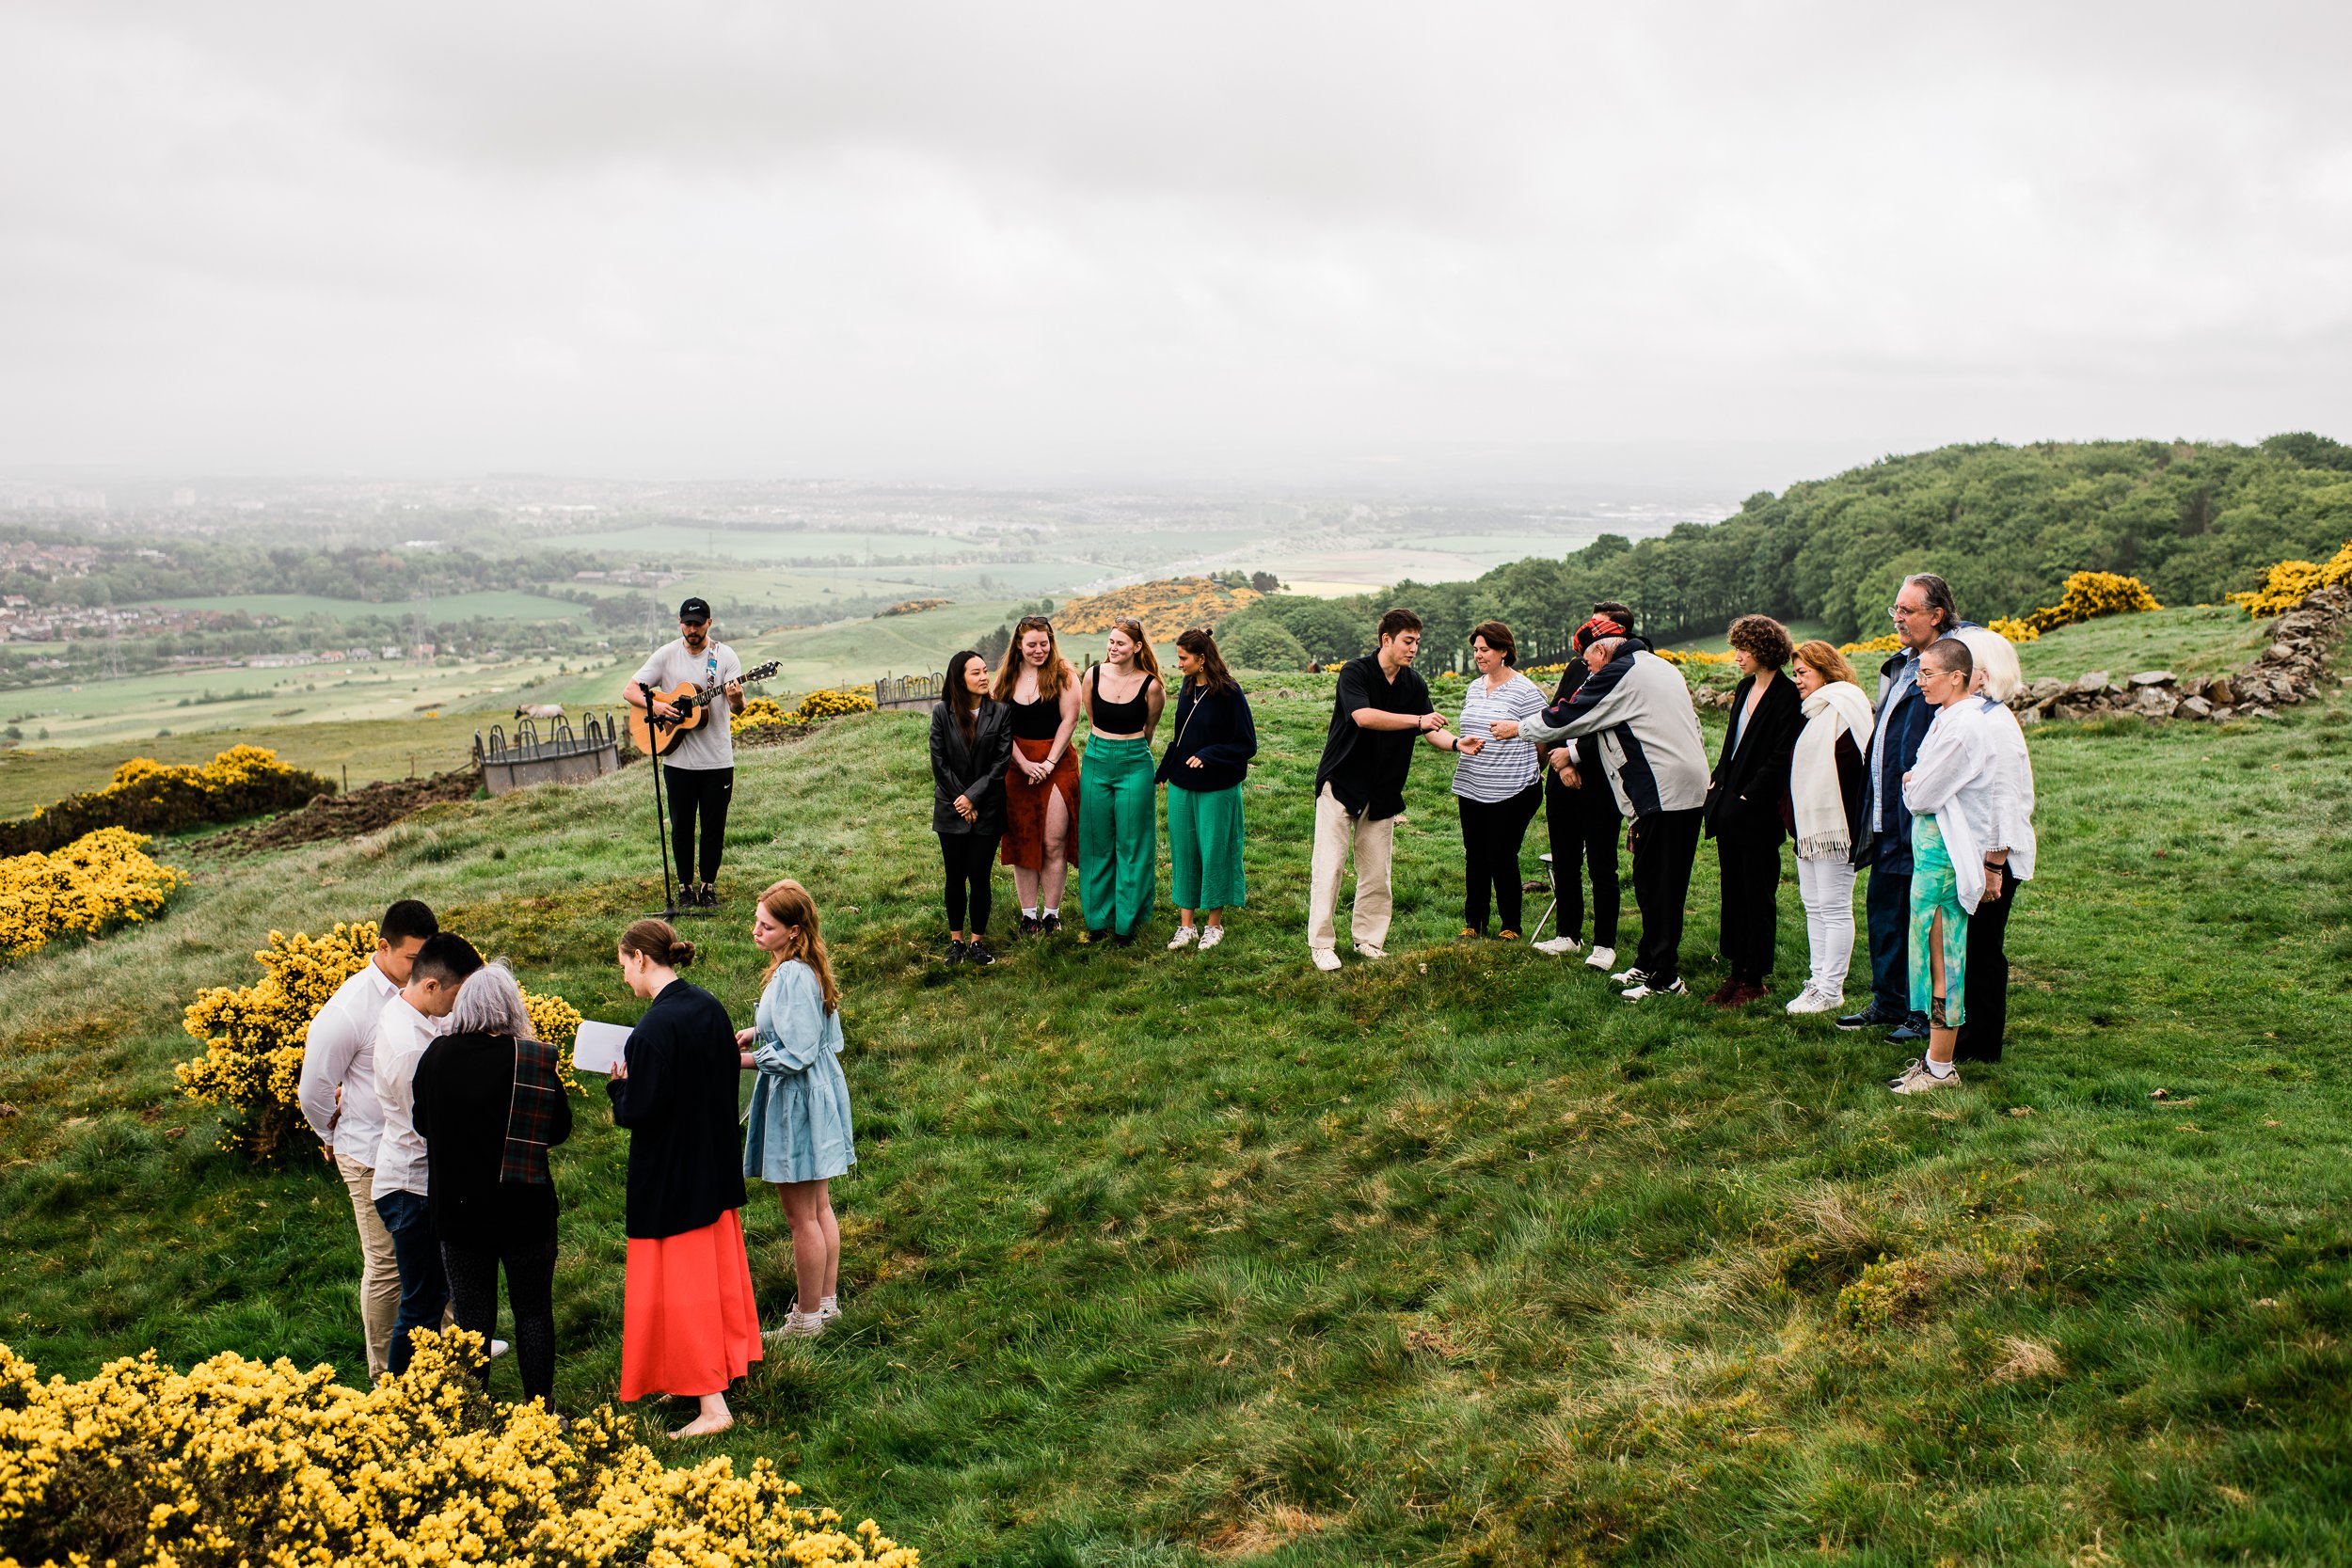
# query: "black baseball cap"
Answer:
x=694 y=609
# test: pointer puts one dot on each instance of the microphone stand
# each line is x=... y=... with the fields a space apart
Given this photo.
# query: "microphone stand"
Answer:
x=660 y=821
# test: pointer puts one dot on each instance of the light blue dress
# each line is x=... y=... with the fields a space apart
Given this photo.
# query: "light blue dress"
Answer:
x=797 y=1125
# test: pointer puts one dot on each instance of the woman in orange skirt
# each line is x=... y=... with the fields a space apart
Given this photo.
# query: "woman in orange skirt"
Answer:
x=1041 y=781
x=688 y=1327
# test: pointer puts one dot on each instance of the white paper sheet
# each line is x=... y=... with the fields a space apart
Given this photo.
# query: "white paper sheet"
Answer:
x=598 y=1046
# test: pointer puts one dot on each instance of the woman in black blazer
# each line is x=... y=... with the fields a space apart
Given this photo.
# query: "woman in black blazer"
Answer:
x=971 y=745
x=1744 y=802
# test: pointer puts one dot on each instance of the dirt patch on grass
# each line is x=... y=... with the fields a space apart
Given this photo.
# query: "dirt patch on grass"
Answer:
x=365 y=809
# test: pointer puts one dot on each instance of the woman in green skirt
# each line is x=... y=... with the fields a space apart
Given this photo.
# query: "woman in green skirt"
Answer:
x=1118 y=829
x=1203 y=769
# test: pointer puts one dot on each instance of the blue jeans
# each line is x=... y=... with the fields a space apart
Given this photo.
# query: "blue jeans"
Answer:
x=423 y=1286
x=1889 y=904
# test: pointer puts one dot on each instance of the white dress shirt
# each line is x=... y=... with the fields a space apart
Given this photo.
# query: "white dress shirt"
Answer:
x=339 y=1052
x=402 y=1033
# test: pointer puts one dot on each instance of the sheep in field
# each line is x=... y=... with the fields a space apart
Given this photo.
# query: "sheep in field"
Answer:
x=540 y=710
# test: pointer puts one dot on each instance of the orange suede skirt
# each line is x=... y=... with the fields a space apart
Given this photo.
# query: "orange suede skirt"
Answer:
x=688 y=1327
x=1025 y=805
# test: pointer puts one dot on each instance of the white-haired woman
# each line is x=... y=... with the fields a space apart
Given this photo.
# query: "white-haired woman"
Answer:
x=489 y=1106
x=2008 y=851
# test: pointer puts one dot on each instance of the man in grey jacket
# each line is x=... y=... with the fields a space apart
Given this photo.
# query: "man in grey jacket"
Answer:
x=1638 y=706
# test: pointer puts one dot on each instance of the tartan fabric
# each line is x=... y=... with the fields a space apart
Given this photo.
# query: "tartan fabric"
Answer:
x=530 y=1114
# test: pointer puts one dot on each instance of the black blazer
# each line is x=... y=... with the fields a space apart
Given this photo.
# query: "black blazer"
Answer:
x=465 y=1088
x=975 y=768
x=685 y=1152
x=1751 y=781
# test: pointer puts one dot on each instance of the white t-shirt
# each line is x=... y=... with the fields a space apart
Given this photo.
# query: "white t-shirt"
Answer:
x=710 y=744
x=402 y=1033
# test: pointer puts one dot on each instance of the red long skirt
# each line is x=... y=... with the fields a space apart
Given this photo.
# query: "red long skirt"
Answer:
x=1025 y=806
x=688 y=1327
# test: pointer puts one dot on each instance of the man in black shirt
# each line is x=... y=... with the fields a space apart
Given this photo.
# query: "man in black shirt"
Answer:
x=1359 y=785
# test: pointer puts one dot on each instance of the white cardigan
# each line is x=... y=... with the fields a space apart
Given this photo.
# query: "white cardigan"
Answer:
x=1954 y=781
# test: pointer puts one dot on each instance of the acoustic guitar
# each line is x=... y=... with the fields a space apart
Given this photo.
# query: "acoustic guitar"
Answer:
x=657 y=736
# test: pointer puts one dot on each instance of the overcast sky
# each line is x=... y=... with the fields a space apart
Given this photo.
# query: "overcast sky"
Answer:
x=996 y=239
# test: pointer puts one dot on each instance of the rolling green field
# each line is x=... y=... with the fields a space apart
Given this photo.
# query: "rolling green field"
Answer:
x=1452 y=1257
x=497 y=605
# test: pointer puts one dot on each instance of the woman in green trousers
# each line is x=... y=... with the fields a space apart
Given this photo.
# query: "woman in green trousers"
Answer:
x=1117 y=825
x=1203 y=768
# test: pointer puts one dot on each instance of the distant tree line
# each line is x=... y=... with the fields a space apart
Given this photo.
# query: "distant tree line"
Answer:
x=2004 y=525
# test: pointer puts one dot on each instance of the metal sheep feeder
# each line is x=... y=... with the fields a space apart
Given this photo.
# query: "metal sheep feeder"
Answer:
x=562 y=756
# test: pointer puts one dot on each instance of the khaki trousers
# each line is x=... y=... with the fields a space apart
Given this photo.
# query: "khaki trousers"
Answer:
x=1339 y=838
x=379 y=1268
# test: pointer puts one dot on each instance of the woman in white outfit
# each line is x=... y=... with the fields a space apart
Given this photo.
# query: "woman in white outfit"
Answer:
x=2008 y=846
x=1826 y=776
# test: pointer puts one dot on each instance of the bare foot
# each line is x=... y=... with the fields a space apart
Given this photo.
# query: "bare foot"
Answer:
x=703 y=1426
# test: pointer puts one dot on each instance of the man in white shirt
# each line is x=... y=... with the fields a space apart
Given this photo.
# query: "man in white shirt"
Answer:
x=410 y=1021
x=700 y=766
x=339 y=1099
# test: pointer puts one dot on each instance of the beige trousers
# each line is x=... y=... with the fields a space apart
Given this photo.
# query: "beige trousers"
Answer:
x=1339 y=838
x=379 y=1269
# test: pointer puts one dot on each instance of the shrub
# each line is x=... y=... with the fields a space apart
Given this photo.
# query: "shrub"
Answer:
x=150 y=797
x=253 y=1035
x=239 y=1461
x=758 y=711
x=1164 y=608
x=2014 y=630
x=2287 y=583
x=814 y=708
x=1885 y=644
x=97 y=882
x=1262 y=645
x=2090 y=594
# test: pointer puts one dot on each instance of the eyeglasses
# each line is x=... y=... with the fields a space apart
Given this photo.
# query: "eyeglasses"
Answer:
x=1897 y=612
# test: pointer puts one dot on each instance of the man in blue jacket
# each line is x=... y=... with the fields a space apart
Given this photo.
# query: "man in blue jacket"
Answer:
x=1924 y=615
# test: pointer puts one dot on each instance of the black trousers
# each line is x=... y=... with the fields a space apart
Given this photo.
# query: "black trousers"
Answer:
x=698 y=793
x=1584 y=827
x=1888 y=906
x=1988 y=978
x=473 y=1299
x=1664 y=845
x=968 y=858
x=1492 y=831
x=1751 y=903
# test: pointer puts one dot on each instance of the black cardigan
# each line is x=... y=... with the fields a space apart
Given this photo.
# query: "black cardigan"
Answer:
x=1220 y=732
x=465 y=1084
x=685 y=1154
x=1743 y=803
x=975 y=769
x=1557 y=796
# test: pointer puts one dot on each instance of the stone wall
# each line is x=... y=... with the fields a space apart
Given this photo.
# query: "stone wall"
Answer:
x=2289 y=671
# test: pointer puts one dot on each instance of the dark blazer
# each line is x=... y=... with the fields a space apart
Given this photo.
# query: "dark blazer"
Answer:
x=1557 y=796
x=1219 y=731
x=1744 y=801
x=975 y=768
x=685 y=1152
x=1905 y=726
x=465 y=1088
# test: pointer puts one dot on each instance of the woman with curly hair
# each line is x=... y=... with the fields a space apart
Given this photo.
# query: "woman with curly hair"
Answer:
x=1042 y=778
x=1745 y=799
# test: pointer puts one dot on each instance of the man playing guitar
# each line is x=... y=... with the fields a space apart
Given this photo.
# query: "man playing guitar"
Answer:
x=701 y=761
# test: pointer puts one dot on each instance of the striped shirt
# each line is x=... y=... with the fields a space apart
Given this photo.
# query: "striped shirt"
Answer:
x=1502 y=768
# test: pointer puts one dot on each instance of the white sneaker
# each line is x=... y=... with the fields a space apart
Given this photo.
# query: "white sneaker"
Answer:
x=1324 y=959
x=1628 y=976
x=1811 y=1001
x=1558 y=946
x=1918 y=1080
x=799 y=1325
x=1211 y=936
x=1186 y=936
x=1601 y=958
x=828 y=1307
x=1645 y=989
x=1365 y=951
x=499 y=1348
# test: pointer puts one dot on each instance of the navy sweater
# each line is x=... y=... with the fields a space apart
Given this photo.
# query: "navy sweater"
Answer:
x=1220 y=731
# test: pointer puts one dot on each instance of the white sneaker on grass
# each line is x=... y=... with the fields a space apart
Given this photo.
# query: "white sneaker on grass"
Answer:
x=1811 y=1001
x=799 y=1325
x=1365 y=950
x=1324 y=959
x=1558 y=946
x=1647 y=987
x=1601 y=958
x=1211 y=936
x=499 y=1348
x=1916 y=1079
x=828 y=1307
x=1186 y=936
x=1633 y=976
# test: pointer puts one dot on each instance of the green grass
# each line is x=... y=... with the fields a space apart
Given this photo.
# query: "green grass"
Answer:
x=492 y=605
x=1452 y=1257
x=368 y=749
x=2205 y=639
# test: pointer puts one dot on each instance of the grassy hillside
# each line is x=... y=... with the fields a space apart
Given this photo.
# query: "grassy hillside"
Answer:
x=1453 y=1257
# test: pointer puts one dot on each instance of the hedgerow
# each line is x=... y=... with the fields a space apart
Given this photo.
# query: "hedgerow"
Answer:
x=151 y=797
x=766 y=712
x=239 y=1461
x=98 y=882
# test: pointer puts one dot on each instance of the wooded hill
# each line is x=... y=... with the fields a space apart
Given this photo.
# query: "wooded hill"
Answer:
x=2005 y=524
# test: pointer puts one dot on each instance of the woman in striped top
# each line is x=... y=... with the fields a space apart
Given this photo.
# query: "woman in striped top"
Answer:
x=1495 y=781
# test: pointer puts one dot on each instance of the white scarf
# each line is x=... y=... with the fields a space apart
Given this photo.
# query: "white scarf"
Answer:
x=1835 y=708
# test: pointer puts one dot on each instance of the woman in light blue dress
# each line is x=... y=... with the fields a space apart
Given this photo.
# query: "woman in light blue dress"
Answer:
x=797 y=1134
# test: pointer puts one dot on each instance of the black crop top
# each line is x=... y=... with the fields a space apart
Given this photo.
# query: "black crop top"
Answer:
x=1127 y=718
x=1038 y=721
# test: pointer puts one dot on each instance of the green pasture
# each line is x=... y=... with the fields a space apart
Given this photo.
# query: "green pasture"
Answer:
x=364 y=749
x=494 y=605
x=1452 y=1257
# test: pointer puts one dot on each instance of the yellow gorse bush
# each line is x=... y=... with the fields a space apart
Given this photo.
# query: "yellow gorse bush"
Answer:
x=241 y=1462
x=147 y=795
x=814 y=708
x=95 y=883
x=2016 y=630
x=2287 y=583
x=2090 y=594
x=757 y=711
x=253 y=1034
x=1173 y=604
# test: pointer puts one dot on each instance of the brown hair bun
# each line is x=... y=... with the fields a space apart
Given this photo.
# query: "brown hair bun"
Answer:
x=658 y=939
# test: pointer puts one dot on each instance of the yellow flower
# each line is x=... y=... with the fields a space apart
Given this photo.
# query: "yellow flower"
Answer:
x=98 y=882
